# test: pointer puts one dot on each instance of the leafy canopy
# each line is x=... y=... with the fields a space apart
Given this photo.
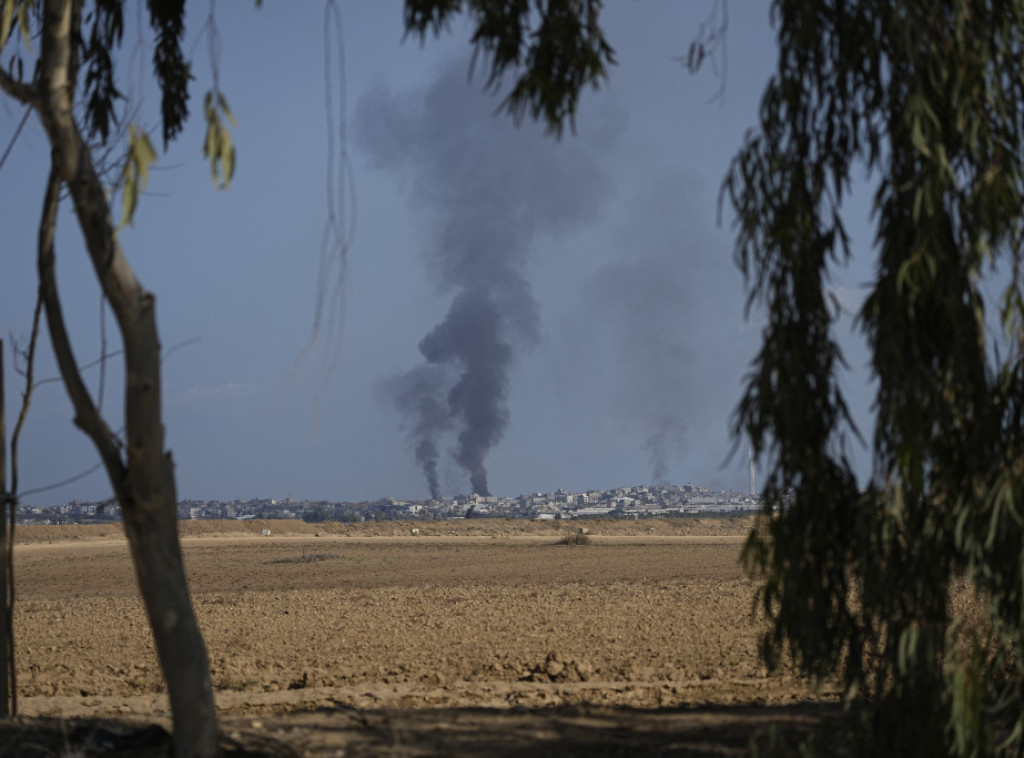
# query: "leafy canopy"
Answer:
x=553 y=50
x=928 y=97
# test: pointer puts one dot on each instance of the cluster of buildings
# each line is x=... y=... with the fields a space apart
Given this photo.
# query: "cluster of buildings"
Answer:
x=644 y=501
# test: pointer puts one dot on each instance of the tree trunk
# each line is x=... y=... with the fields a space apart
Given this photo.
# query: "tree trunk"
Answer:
x=143 y=475
x=153 y=536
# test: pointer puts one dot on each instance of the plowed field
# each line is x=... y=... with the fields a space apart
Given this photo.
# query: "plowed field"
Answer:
x=312 y=621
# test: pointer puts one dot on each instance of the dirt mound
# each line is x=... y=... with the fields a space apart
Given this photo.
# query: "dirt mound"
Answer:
x=29 y=534
x=557 y=669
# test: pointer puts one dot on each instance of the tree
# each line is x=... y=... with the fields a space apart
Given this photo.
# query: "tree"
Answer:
x=140 y=471
x=552 y=53
x=928 y=97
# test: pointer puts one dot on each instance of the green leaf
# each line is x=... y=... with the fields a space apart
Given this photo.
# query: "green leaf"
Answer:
x=217 y=145
x=228 y=160
x=145 y=155
x=222 y=103
x=129 y=199
x=26 y=32
x=211 y=149
x=5 y=21
x=136 y=173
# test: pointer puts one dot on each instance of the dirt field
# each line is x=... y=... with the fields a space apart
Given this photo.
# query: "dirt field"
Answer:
x=314 y=621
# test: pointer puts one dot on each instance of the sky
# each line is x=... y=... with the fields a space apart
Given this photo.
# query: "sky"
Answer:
x=517 y=314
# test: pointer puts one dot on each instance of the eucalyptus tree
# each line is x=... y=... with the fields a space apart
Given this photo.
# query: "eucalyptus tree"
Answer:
x=72 y=89
x=62 y=64
x=925 y=98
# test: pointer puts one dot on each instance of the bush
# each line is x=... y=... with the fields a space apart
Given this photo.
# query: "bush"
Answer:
x=575 y=538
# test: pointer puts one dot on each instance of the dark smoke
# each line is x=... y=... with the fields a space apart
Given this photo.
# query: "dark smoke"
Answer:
x=420 y=396
x=470 y=336
x=665 y=438
x=486 y=189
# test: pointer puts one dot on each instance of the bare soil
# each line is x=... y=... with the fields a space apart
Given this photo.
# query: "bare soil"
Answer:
x=477 y=637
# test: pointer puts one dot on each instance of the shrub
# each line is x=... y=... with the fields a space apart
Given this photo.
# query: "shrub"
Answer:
x=575 y=538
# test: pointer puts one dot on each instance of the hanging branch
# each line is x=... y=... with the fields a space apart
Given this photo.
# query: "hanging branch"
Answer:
x=87 y=416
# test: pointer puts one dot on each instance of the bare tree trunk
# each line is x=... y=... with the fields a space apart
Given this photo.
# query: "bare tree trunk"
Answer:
x=153 y=536
x=143 y=475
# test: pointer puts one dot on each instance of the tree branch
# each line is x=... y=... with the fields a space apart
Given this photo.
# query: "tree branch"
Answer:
x=12 y=514
x=26 y=397
x=145 y=464
x=87 y=417
x=25 y=93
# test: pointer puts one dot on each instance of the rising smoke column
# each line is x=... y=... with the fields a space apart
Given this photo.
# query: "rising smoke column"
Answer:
x=419 y=396
x=665 y=436
x=485 y=190
x=645 y=317
x=470 y=336
x=644 y=320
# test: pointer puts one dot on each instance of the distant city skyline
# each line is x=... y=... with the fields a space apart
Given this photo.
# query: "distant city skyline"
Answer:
x=639 y=501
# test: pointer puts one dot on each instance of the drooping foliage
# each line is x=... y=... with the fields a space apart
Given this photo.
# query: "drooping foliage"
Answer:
x=553 y=50
x=100 y=91
x=167 y=17
x=925 y=97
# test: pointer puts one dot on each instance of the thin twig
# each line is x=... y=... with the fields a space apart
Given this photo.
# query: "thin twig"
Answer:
x=12 y=669
x=19 y=90
x=11 y=505
x=26 y=396
x=339 y=227
x=63 y=482
x=85 y=366
x=103 y=352
x=10 y=145
x=26 y=400
x=711 y=45
x=87 y=417
x=82 y=474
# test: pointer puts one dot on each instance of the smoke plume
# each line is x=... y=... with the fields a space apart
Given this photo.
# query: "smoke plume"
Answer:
x=485 y=190
x=645 y=316
x=419 y=396
x=640 y=330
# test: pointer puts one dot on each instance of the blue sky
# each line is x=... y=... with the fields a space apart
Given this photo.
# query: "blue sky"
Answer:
x=633 y=361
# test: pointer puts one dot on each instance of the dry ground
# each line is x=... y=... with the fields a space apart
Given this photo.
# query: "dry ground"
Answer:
x=470 y=638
